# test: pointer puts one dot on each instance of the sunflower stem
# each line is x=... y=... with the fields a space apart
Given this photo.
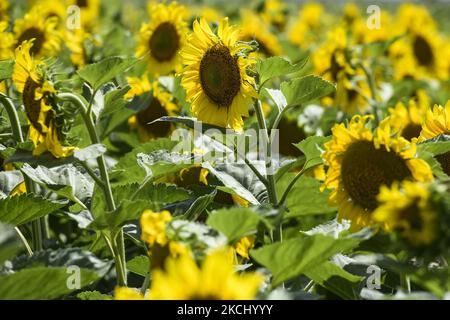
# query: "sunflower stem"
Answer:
x=16 y=130
x=373 y=92
x=117 y=244
x=25 y=242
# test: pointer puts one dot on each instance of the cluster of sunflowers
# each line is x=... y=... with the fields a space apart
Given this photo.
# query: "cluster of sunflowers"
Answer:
x=356 y=102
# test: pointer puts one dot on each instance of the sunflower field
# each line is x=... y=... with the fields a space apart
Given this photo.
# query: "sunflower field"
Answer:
x=220 y=150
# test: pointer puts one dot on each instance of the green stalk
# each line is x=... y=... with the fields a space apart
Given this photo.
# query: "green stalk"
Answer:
x=18 y=137
x=117 y=245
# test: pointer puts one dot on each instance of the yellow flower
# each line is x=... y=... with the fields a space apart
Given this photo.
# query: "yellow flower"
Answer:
x=34 y=25
x=153 y=226
x=360 y=162
x=89 y=11
x=437 y=122
x=244 y=245
x=161 y=40
x=413 y=17
x=53 y=9
x=215 y=77
x=216 y=279
x=305 y=30
x=7 y=42
x=254 y=28
x=161 y=105
x=407 y=121
x=29 y=79
x=330 y=61
x=21 y=188
x=124 y=293
x=405 y=209
x=76 y=44
x=274 y=13
x=208 y=13
x=4 y=8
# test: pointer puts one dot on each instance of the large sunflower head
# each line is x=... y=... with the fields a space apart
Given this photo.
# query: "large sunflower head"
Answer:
x=437 y=122
x=161 y=105
x=163 y=37
x=53 y=9
x=215 y=77
x=360 y=161
x=215 y=279
x=405 y=208
x=30 y=79
x=34 y=25
x=257 y=29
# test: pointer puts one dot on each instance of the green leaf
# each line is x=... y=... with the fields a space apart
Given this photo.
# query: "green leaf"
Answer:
x=234 y=223
x=24 y=208
x=125 y=212
x=93 y=295
x=6 y=69
x=192 y=123
x=335 y=279
x=436 y=146
x=97 y=74
x=9 y=242
x=157 y=196
x=277 y=97
x=42 y=283
x=127 y=169
x=229 y=181
x=312 y=148
x=198 y=206
x=277 y=66
x=114 y=101
x=313 y=201
x=306 y=89
x=139 y=265
x=293 y=257
x=92 y=152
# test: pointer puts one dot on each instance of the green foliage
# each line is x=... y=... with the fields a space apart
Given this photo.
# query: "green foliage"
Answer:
x=306 y=89
x=293 y=257
x=234 y=223
x=277 y=66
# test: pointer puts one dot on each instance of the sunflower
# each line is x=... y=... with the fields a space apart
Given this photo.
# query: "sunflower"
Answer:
x=215 y=78
x=407 y=121
x=76 y=43
x=35 y=25
x=332 y=61
x=306 y=28
x=257 y=29
x=418 y=55
x=413 y=17
x=360 y=162
x=351 y=14
x=30 y=79
x=4 y=10
x=437 y=122
x=153 y=225
x=364 y=35
x=89 y=11
x=53 y=9
x=161 y=105
x=406 y=209
x=161 y=40
x=243 y=246
x=274 y=13
x=216 y=279
x=7 y=43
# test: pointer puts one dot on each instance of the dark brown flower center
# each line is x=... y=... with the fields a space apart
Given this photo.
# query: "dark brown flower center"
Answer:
x=151 y=113
x=444 y=160
x=82 y=3
x=190 y=177
x=365 y=169
x=411 y=214
x=219 y=75
x=423 y=51
x=32 y=106
x=164 y=42
x=33 y=33
x=290 y=133
x=412 y=130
